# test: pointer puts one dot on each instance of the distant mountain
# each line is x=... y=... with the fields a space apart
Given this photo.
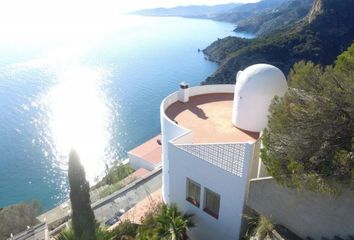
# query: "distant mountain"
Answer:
x=197 y=11
x=322 y=35
x=268 y=21
x=261 y=17
x=247 y=10
x=232 y=12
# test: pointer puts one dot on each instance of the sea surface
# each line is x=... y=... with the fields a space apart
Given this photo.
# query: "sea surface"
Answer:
x=93 y=87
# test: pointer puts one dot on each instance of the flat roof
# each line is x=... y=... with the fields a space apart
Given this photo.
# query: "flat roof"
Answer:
x=208 y=116
x=150 y=151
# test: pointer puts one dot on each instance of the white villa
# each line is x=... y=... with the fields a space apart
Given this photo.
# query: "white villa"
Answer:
x=208 y=157
x=210 y=147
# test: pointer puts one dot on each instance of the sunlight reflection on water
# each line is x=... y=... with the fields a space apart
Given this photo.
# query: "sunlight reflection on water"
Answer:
x=79 y=118
x=94 y=86
x=71 y=111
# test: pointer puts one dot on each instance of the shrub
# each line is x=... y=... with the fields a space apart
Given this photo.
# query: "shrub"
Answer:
x=117 y=173
x=125 y=230
x=309 y=142
x=16 y=218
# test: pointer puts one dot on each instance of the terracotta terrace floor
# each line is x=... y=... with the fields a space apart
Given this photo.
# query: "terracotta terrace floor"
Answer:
x=209 y=117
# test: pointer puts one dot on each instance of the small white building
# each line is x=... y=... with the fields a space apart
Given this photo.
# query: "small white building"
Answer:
x=147 y=155
x=210 y=147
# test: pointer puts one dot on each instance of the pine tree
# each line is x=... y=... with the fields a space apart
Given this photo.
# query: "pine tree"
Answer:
x=309 y=142
x=83 y=219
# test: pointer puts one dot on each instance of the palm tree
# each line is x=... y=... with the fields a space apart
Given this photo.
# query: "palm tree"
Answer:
x=66 y=234
x=172 y=224
x=259 y=226
x=100 y=234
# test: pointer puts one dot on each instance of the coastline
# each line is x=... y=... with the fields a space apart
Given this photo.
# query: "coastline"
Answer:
x=48 y=185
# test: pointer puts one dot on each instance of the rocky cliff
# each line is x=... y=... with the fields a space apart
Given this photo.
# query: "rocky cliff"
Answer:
x=317 y=9
x=269 y=21
x=322 y=35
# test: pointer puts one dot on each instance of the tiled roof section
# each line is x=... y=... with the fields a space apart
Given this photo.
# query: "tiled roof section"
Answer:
x=135 y=175
x=150 y=151
x=229 y=157
x=140 y=172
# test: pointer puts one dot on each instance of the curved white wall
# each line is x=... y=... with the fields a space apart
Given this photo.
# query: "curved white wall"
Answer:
x=170 y=130
x=255 y=88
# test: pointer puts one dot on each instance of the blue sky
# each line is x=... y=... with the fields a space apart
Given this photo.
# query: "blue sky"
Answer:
x=14 y=6
x=24 y=12
x=172 y=3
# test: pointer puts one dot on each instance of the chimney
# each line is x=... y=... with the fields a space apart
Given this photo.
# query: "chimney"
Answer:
x=183 y=94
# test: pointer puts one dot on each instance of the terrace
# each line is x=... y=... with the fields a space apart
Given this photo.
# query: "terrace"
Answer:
x=208 y=116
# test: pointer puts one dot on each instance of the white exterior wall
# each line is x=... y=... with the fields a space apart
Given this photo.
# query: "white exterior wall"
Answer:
x=229 y=186
x=218 y=167
x=137 y=162
x=170 y=130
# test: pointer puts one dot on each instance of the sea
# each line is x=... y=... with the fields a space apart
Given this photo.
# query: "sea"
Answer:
x=95 y=88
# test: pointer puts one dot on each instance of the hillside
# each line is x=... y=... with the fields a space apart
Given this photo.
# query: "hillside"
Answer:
x=248 y=10
x=321 y=36
x=219 y=50
x=286 y=14
x=260 y=18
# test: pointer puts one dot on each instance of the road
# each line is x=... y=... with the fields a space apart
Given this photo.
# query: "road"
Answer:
x=127 y=197
x=106 y=208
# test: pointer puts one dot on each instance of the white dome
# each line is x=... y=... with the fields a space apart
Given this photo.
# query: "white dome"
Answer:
x=255 y=88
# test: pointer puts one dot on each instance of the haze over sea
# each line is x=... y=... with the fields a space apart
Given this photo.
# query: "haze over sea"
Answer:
x=95 y=87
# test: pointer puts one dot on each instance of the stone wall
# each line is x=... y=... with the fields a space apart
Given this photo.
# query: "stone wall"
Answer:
x=307 y=214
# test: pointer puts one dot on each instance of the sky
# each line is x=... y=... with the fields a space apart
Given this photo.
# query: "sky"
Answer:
x=136 y=4
x=12 y=9
x=17 y=14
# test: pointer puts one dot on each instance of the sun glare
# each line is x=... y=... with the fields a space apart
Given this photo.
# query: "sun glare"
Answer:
x=79 y=118
x=79 y=114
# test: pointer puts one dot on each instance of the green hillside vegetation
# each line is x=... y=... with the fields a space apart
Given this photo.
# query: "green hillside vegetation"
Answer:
x=320 y=37
x=220 y=49
x=114 y=174
x=15 y=218
x=269 y=21
x=309 y=142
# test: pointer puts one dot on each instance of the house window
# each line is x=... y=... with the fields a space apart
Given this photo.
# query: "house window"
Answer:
x=193 y=192
x=211 y=203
